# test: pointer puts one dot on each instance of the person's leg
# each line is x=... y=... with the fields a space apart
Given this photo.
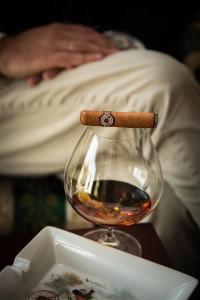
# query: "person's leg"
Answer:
x=178 y=231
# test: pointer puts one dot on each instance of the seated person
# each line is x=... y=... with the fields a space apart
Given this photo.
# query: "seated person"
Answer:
x=39 y=121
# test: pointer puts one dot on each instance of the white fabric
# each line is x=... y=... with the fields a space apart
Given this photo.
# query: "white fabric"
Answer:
x=39 y=126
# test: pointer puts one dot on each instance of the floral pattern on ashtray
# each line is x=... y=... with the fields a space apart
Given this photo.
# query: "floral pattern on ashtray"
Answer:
x=42 y=295
x=73 y=286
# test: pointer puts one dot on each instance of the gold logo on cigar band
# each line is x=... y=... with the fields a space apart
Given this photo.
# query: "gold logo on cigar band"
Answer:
x=106 y=119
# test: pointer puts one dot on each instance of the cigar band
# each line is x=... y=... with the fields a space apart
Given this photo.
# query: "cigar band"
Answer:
x=106 y=119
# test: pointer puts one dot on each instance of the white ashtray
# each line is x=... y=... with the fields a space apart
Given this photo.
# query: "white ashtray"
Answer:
x=61 y=265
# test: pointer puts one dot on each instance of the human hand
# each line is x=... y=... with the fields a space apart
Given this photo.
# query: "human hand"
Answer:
x=40 y=53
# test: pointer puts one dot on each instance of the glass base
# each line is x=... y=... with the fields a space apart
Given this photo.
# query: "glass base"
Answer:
x=117 y=239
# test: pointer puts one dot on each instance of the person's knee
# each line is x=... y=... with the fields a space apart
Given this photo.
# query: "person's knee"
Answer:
x=168 y=71
x=161 y=83
x=159 y=68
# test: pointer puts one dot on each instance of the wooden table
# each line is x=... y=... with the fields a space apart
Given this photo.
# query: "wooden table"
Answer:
x=152 y=248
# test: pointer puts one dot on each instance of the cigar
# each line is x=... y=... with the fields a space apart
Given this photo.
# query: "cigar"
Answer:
x=119 y=119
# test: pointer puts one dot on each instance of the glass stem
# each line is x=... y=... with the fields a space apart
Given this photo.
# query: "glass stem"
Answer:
x=109 y=238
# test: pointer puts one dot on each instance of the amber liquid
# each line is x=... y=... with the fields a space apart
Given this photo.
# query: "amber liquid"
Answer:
x=112 y=203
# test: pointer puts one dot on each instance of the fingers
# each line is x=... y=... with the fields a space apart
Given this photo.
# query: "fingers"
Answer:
x=78 y=59
x=46 y=75
x=64 y=61
x=49 y=74
x=69 y=60
x=92 y=37
x=79 y=46
x=77 y=38
x=34 y=79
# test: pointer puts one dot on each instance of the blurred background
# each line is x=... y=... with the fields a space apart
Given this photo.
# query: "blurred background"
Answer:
x=160 y=26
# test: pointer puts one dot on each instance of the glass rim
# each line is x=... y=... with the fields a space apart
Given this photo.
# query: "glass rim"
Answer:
x=94 y=131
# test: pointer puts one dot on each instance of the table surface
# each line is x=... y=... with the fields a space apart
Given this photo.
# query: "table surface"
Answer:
x=152 y=248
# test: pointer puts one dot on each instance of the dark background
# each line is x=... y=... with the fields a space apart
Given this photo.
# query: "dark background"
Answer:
x=159 y=26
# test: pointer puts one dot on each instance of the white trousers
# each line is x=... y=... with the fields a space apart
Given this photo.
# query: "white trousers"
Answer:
x=39 y=126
